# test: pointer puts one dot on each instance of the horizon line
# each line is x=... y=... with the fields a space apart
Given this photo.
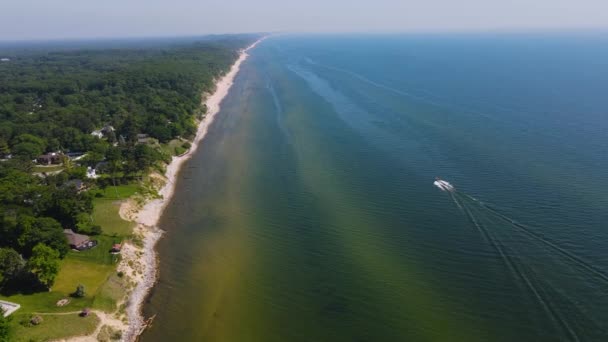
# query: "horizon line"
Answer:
x=554 y=30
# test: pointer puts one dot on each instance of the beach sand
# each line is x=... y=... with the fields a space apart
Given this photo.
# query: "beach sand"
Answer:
x=140 y=264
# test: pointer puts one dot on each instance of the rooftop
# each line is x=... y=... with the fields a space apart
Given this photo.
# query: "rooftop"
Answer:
x=75 y=239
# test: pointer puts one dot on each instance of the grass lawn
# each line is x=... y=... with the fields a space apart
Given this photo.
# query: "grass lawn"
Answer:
x=119 y=192
x=110 y=293
x=74 y=272
x=174 y=147
x=105 y=209
x=53 y=327
x=50 y=168
x=105 y=214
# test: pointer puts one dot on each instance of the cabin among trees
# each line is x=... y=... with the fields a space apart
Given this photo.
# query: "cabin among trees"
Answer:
x=77 y=241
x=51 y=158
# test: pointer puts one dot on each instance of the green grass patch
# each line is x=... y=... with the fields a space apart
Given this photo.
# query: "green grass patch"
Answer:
x=74 y=272
x=106 y=209
x=110 y=293
x=52 y=327
x=105 y=214
x=119 y=192
x=40 y=302
x=51 y=168
x=172 y=147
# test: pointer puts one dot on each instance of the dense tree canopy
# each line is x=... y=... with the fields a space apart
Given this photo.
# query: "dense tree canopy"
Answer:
x=53 y=100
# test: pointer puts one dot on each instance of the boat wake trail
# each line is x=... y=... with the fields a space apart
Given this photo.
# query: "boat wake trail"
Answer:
x=569 y=290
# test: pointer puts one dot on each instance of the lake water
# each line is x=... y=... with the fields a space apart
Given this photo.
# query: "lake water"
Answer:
x=309 y=212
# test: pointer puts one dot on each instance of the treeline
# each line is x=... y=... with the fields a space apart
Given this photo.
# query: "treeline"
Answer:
x=62 y=96
x=53 y=100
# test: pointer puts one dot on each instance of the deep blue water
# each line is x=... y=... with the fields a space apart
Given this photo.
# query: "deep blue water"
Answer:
x=310 y=213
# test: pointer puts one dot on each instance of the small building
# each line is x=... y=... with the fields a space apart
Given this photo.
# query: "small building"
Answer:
x=107 y=129
x=97 y=134
x=79 y=241
x=143 y=138
x=91 y=173
x=51 y=158
x=116 y=248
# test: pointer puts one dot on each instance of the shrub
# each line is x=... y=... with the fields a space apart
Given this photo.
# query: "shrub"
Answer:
x=96 y=230
x=80 y=292
x=36 y=319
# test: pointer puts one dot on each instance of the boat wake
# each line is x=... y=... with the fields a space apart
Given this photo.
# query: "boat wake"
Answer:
x=566 y=287
x=443 y=185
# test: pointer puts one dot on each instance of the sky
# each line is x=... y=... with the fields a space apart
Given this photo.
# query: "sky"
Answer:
x=57 y=19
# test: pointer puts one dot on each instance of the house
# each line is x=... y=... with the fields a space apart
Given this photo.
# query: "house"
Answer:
x=91 y=173
x=78 y=241
x=142 y=138
x=107 y=129
x=97 y=134
x=50 y=158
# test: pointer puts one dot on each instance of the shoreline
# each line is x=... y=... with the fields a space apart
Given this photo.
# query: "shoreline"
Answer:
x=148 y=216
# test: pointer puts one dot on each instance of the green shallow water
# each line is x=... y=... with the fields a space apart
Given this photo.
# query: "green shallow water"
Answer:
x=309 y=214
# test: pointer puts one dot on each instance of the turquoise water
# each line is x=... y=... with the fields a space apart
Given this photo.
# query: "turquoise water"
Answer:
x=309 y=212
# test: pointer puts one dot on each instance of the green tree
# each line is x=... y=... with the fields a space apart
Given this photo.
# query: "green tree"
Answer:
x=80 y=291
x=44 y=264
x=5 y=328
x=40 y=230
x=4 y=149
x=11 y=264
x=27 y=150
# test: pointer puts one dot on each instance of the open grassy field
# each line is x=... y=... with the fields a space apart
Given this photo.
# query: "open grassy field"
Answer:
x=105 y=214
x=119 y=192
x=52 y=327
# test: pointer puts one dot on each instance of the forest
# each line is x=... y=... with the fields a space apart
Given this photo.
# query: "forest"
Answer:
x=67 y=110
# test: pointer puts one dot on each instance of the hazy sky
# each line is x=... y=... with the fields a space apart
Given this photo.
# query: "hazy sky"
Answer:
x=32 y=19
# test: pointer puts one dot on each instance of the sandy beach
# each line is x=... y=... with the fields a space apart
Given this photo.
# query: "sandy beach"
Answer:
x=138 y=263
